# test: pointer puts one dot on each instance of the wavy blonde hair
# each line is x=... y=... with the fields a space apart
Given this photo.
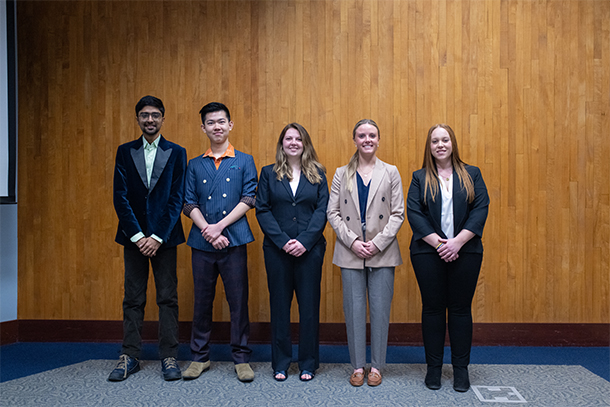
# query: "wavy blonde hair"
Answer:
x=310 y=166
x=459 y=167
x=352 y=166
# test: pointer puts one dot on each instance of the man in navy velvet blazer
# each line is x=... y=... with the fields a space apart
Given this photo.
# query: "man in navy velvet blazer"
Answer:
x=148 y=199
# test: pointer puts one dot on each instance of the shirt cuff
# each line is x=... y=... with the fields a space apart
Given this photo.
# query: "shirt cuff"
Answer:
x=248 y=200
x=157 y=238
x=137 y=237
x=188 y=208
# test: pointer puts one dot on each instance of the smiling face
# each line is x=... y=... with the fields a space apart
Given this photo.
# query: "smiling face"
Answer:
x=366 y=138
x=217 y=127
x=440 y=145
x=150 y=119
x=292 y=144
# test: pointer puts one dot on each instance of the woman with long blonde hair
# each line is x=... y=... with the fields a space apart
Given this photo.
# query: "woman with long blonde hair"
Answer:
x=447 y=207
x=366 y=210
x=291 y=209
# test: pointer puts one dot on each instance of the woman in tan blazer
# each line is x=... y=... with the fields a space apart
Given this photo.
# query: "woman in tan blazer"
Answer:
x=366 y=210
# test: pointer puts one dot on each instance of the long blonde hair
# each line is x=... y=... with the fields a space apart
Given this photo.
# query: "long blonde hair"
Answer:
x=310 y=166
x=352 y=166
x=459 y=167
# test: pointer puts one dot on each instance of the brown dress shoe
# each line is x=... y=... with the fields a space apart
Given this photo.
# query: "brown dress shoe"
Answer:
x=357 y=379
x=374 y=379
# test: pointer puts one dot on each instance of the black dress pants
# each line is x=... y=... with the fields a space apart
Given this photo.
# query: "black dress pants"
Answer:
x=134 y=301
x=287 y=275
x=447 y=290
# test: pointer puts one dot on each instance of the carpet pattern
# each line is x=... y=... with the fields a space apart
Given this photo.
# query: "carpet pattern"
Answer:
x=84 y=384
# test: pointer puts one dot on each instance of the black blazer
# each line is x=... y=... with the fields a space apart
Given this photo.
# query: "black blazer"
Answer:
x=283 y=216
x=425 y=216
x=155 y=209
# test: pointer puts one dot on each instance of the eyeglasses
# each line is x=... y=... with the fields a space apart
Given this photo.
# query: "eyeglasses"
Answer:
x=144 y=116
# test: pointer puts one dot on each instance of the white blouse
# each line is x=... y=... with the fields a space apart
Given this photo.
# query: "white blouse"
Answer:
x=447 y=206
x=294 y=184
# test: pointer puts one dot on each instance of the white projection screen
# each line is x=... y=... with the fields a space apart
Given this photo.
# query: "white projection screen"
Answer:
x=8 y=103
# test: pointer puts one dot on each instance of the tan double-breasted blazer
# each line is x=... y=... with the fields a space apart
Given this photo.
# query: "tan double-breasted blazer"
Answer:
x=385 y=213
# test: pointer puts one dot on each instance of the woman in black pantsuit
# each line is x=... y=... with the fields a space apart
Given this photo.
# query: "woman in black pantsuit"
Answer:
x=291 y=209
x=447 y=207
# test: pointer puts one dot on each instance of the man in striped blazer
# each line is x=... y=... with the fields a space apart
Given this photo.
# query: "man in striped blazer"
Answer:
x=220 y=189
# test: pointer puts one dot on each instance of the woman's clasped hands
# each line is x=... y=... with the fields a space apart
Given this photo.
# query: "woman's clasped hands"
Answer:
x=364 y=250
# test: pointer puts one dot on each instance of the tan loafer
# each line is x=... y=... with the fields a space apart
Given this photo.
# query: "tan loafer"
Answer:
x=374 y=379
x=195 y=369
x=244 y=372
x=357 y=379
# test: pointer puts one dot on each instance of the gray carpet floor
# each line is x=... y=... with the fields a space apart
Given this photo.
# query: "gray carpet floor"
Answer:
x=84 y=384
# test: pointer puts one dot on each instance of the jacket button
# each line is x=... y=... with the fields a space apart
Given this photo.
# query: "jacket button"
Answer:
x=224 y=195
x=346 y=201
x=228 y=179
x=383 y=199
x=205 y=180
x=210 y=197
x=224 y=212
x=294 y=219
x=380 y=216
x=294 y=204
x=347 y=218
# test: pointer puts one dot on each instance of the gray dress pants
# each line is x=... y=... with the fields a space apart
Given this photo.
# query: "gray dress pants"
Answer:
x=379 y=282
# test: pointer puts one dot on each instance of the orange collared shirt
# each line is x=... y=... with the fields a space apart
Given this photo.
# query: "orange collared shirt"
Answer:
x=230 y=152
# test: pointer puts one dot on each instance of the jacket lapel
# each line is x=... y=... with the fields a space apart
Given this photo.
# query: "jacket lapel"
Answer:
x=137 y=155
x=460 y=201
x=435 y=206
x=161 y=159
x=354 y=193
x=286 y=184
x=218 y=175
x=376 y=179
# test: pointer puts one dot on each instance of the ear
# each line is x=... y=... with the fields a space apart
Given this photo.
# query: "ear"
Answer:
x=203 y=128
x=230 y=125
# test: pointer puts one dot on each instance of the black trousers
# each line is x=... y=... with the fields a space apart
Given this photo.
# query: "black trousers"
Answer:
x=447 y=290
x=134 y=301
x=287 y=275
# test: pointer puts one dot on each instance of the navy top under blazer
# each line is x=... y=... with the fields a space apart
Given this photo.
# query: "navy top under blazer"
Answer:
x=425 y=216
x=217 y=193
x=283 y=215
x=155 y=209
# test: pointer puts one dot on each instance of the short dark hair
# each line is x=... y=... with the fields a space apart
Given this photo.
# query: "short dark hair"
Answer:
x=214 y=107
x=150 y=101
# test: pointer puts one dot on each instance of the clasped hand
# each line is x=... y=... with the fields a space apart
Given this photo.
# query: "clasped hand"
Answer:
x=448 y=250
x=213 y=234
x=364 y=250
x=294 y=248
x=148 y=246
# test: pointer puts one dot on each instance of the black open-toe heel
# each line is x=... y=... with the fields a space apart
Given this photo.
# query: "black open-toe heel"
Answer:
x=280 y=372
x=306 y=372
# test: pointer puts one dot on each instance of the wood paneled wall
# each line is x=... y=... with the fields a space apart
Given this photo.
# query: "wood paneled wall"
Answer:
x=524 y=84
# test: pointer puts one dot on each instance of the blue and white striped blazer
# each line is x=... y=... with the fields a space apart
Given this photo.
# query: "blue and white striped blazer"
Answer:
x=217 y=192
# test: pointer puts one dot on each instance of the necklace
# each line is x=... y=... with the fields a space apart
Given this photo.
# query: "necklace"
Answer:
x=366 y=174
x=445 y=177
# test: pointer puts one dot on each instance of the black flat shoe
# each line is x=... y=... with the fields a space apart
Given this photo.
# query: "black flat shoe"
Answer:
x=433 y=377
x=280 y=372
x=461 y=382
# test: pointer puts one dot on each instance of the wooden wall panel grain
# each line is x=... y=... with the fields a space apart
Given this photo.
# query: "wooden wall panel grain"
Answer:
x=525 y=84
